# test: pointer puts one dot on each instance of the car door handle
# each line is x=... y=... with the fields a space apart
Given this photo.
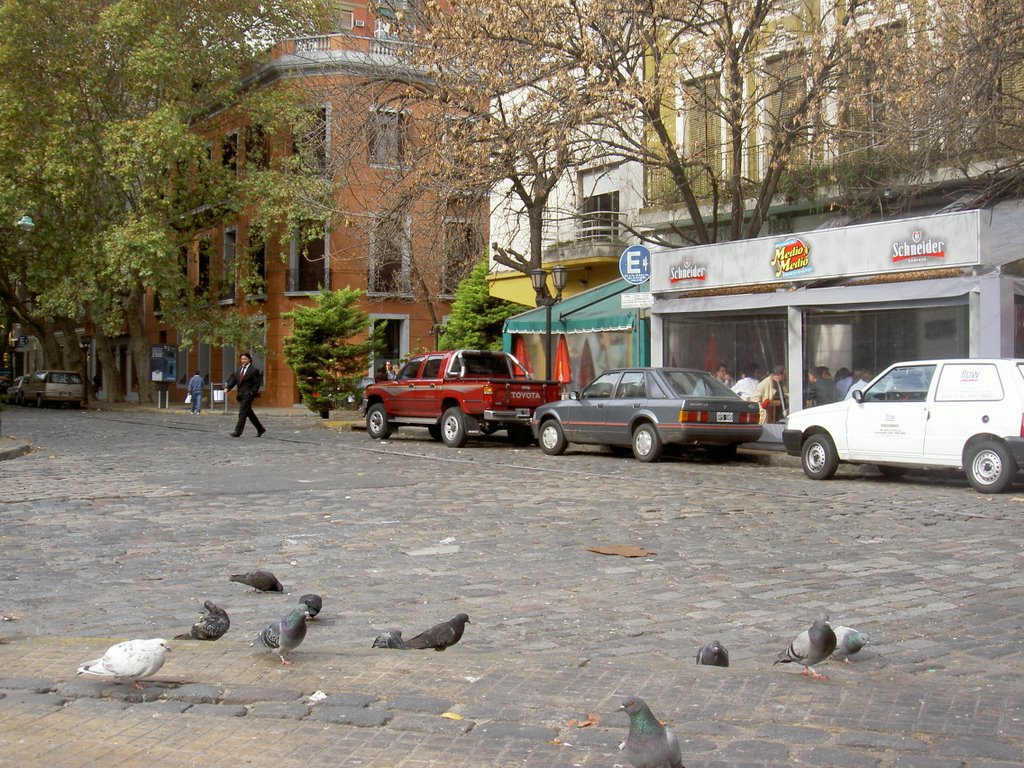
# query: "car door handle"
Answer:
x=637 y=405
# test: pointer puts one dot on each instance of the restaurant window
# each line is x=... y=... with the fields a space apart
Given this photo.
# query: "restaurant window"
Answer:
x=872 y=341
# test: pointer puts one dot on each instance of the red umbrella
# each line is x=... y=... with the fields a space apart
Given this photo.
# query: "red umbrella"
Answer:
x=521 y=353
x=563 y=365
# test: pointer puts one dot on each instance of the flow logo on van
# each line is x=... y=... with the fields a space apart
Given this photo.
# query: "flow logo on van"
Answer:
x=918 y=248
x=792 y=258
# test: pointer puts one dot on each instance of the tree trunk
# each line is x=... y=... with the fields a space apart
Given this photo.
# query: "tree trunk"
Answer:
x=137 y=342
x=114 y=384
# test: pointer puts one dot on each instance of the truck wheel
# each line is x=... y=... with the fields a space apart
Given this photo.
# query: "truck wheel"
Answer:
x=989 y=467
x=552 y=439
x=377 y=422
x=646 y=443
x=435 y=432
x=453 y=427
x=819 y=458
x=520 y=436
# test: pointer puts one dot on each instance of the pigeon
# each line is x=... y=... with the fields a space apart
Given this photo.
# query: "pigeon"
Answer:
x=262 y=581
x=713 y=655
x=811 y=647
x=314 y=603
x=442 y=635
x=391 y=638
x=649 y=743
x=210 y=625
x=284 y=635
x=131 y=660
x=848 y=642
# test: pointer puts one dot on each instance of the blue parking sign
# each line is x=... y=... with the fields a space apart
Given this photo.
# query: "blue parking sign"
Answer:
x=635 y=264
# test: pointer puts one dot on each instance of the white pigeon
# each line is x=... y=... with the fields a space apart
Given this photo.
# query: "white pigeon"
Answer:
x=131 y=660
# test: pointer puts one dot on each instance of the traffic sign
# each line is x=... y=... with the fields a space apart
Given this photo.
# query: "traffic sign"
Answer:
x=635 y=264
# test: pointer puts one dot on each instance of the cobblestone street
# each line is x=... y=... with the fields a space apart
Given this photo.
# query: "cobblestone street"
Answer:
x=121 y=522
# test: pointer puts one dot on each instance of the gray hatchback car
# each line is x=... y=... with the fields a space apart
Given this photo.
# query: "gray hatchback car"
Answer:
x=647 y=410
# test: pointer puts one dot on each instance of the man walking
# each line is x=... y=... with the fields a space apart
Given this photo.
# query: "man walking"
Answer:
x=248 y=380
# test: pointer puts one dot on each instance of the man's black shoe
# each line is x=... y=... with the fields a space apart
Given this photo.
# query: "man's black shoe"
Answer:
x=260 y=432
x=235 y=434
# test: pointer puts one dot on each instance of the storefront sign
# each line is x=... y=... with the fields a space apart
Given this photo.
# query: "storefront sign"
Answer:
x=929 y=242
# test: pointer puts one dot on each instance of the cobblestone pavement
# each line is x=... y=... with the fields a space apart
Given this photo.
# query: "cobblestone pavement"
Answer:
x=120 y=523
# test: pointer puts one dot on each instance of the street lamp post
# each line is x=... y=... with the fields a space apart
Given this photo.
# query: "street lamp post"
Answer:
x=539 y=279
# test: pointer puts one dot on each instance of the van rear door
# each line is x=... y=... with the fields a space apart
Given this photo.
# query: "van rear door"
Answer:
x=970 y=398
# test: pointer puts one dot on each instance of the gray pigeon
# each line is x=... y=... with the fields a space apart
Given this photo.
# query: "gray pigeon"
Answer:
x=391 y=638
x=811 y=647
x=262 y=581
x=713 y=655
x=314 y=603
x=442 y=635
x=131 y=660
x=210 y=625
x=649 y=743
x=285 y=635
x=848 y=642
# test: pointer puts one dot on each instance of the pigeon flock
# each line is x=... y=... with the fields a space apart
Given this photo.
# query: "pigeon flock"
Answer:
x=648 y=744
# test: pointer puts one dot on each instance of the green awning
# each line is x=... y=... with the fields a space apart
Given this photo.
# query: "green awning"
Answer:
x=598 y=309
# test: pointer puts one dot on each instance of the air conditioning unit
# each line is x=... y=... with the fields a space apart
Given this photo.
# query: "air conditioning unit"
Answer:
x=360 y=23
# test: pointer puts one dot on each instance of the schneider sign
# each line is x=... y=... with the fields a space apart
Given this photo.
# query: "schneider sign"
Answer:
x=929 y=242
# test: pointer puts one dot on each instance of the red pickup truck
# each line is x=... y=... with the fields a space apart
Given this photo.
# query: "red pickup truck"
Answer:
x=456 y=395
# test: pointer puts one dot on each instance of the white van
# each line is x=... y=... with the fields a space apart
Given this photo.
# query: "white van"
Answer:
x=965 y=414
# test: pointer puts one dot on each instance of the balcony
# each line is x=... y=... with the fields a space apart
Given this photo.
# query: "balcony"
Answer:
x=590 y=235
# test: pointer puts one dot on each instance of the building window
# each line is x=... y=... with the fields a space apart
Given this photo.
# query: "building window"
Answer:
x=703 y=133
x=308 y=264
x=312 y=142
x=257 y=147
x=388 y=129
x=462 y=245
x=866 y=102
x=389 y=254
x=229 y=152
x=599 y=218
x=226 y=292
x=785 y=87
x=205 y=259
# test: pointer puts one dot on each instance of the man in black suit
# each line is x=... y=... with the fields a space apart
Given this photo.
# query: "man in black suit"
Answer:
x=248 y=380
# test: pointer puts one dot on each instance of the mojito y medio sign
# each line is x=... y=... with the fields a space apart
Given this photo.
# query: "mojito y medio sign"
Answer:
x=635 y=264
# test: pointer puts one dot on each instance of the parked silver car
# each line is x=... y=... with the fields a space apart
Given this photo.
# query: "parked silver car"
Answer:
x=647 y=409
x=14 y=391
x=44 y=387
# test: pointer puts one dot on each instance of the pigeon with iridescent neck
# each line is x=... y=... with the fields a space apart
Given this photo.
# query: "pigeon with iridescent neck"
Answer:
x=811 y=647
x=285 y=635
x=649 y=744
x=848 y=642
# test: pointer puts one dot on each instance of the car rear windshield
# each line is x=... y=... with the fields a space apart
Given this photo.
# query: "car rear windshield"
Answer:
x=64 y=377
x=698 y=384
x=481 y=365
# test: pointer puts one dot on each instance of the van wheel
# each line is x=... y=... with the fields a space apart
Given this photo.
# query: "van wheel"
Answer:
x=819 y=458
x=646 y=443
x=453 y=427
x=989 y=467
x=377 y=422
x=552 y=439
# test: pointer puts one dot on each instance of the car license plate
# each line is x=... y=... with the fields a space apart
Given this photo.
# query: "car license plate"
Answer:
x=523 y=413
x=725 y=417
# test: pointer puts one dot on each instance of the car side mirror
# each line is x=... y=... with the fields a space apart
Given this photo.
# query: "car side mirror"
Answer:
x=858 y=395
x=574 y=395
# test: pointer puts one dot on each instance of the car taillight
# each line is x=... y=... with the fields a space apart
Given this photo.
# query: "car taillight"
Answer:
x=488 y=395
x=1022 y=425
x=750 y=418
x=694 y=417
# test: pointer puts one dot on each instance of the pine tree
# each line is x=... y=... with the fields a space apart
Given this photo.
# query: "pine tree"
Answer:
x=327 y=363
x=477 y=318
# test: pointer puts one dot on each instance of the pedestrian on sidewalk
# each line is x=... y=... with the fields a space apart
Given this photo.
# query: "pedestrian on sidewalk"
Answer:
x=248 y=379
x=195 y=394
